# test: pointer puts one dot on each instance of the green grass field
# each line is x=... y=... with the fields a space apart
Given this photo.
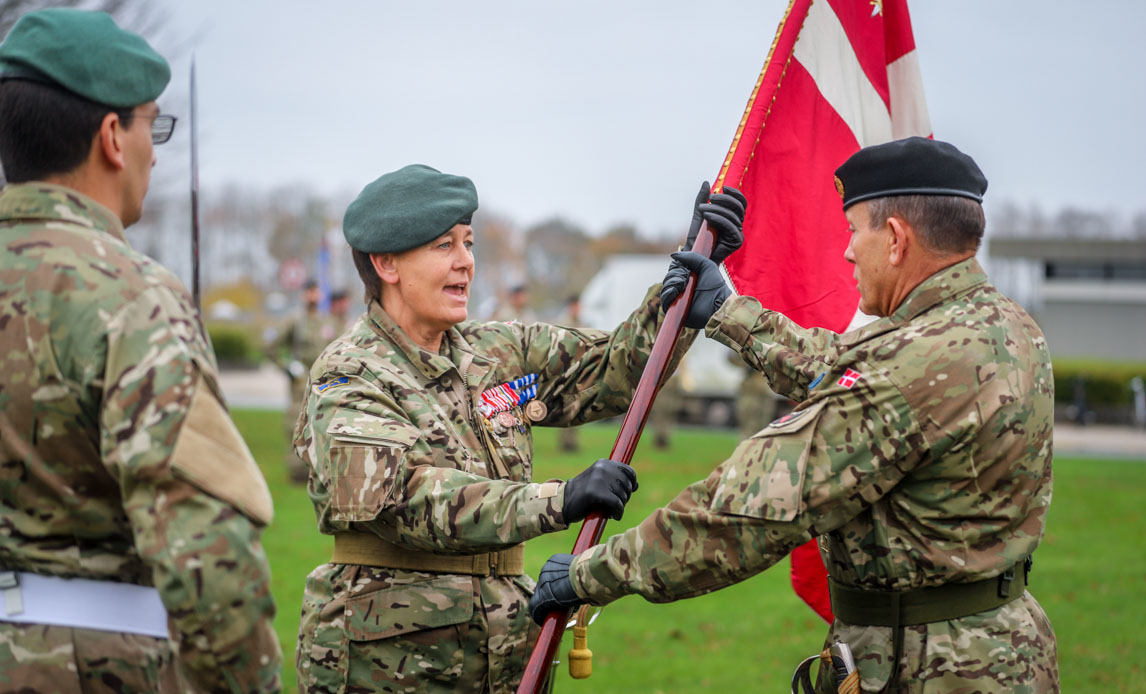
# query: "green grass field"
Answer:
x=1089 y=575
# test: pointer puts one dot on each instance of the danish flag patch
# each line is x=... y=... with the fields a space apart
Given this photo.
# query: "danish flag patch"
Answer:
x=848 y=379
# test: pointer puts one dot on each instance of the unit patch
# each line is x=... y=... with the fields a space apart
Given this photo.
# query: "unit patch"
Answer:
x=341 y=381
x=788 y=418
x=848 y=379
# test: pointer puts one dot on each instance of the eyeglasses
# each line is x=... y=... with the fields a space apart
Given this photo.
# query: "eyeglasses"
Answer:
x=162 y=127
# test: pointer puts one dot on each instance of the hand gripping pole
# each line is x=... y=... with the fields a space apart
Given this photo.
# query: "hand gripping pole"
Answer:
x=630 y=434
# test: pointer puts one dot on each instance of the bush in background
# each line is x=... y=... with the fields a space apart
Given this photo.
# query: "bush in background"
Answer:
x=235 y=346
x=1105 y=384
x=1095 y=392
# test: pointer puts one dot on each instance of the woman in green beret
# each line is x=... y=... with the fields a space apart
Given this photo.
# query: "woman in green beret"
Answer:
x=418 y=434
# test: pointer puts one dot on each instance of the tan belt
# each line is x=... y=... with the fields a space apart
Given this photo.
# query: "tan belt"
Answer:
x=370 y=550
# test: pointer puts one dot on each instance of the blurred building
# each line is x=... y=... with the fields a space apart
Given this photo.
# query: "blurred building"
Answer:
x=1087 y=294
x=707 y=382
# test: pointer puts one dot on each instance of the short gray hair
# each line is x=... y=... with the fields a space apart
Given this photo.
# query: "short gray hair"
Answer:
x=946 y=224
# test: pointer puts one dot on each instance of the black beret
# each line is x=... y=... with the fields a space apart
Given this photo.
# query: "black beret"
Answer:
x=407 y=208
x=913 y=166
x=85 y=53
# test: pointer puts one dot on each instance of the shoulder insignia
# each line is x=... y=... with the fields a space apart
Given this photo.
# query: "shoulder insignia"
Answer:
x=341 y=381
x=796 y=414
x=848 y=379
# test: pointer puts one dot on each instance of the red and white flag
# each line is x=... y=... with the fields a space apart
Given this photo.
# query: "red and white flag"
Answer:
x=841 y=75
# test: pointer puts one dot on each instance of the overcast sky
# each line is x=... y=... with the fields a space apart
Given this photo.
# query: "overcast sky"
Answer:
x=613 y=112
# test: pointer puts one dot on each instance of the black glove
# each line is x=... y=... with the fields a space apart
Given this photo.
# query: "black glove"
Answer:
x=554 y=588
x=711 y=291
x=604 y=486
x=724 y=212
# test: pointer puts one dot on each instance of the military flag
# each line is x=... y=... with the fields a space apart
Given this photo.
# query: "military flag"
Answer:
x=840 y=75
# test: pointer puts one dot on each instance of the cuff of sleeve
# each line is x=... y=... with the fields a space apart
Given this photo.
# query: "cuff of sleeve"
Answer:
x=733 y=322
x=592 y=579
x=544 y=501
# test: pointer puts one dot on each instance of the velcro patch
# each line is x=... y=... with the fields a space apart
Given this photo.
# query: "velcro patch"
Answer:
x=333 y=384
x=788 y=418
x=848 y=379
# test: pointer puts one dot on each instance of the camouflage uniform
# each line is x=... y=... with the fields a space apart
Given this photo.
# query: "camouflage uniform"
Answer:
x=302 y=341
x=920 y=456
x=119 y=462
x=755 y=401
x=399 y=450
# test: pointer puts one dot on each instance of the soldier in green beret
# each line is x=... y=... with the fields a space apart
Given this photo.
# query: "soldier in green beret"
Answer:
x=294 y=351
x=131 y=508
x=919 y=455
x=418 y=431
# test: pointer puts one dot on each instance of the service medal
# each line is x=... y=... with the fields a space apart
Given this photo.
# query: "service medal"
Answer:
x=495 y=426
x=536 y=410
x=507 y=419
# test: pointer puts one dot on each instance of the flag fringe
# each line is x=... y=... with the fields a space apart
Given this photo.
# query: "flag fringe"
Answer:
x=755 y=91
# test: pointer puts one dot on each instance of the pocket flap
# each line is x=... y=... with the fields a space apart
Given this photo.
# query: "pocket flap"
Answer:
x=794 y=421
x=764 y=478
x=355 y=426
x=436 y=602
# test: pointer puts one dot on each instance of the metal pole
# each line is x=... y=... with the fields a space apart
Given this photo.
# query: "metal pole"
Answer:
x=194 y=192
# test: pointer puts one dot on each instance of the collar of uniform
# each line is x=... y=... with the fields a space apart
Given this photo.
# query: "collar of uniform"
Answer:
x=38 y=201
x=480 y=365
x=936 y=289
x=939 y=288
x=433 y=365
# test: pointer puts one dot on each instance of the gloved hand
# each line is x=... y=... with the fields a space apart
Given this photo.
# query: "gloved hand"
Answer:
x=724 y=212
x=554 y=588
x=711 y=291
x=604 y=486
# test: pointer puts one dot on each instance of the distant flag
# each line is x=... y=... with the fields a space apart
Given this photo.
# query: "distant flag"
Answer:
x=841 y=75
x=323 y=272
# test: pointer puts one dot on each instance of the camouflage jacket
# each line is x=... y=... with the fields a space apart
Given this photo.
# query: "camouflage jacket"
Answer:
x=397 y=445
x=920 y=455
x=119 y=461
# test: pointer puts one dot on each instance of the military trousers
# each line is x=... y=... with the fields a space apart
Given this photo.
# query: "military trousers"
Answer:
x=368 y=629
x=44 y=659
x=1007 y=650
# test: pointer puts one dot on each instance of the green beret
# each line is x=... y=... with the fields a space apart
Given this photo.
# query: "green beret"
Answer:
x=913 y=166
x=407 y=208
x=86 y=54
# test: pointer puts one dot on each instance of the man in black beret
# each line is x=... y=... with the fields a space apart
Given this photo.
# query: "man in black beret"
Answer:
x=919 y=455
x=130 y=505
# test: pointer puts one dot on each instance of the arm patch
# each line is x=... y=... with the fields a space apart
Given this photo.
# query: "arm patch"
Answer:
x=211 y=455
